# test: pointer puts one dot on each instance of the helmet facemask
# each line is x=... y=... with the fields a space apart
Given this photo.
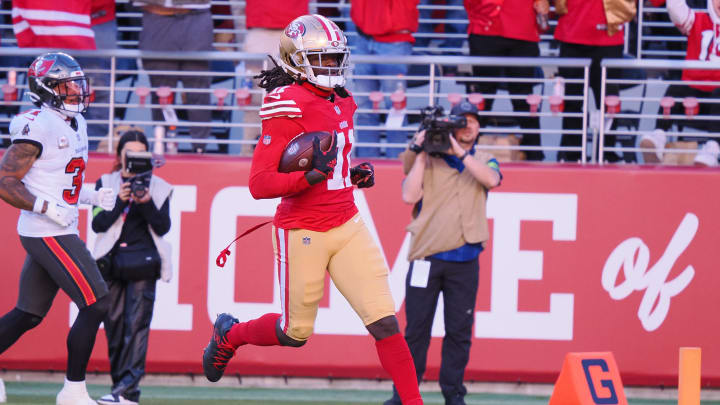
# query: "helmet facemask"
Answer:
x=312 y=65
x=72 y=96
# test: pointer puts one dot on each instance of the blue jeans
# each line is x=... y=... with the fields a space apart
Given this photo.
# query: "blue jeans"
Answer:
x=368 y=46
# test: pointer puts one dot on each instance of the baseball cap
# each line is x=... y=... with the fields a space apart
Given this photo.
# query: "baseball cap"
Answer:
x=465 y=107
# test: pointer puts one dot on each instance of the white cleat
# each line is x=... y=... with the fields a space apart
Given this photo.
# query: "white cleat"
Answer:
x=3 y=395
x=74 y=393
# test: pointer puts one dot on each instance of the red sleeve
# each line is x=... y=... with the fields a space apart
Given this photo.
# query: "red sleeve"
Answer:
x=265 y=180
x=657 y=3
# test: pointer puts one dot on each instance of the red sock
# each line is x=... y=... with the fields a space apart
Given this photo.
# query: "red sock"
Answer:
x=258 y=332
x=396 y=359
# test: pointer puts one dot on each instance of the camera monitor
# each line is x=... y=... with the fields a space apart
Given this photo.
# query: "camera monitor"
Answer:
x=138 y=162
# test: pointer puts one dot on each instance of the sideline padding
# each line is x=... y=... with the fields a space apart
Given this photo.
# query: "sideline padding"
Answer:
x=559 y=232
x=590 y=378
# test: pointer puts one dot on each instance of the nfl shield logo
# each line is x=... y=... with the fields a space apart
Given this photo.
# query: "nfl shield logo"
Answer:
x=306 y=240
x=266 y=139
x=337 y=110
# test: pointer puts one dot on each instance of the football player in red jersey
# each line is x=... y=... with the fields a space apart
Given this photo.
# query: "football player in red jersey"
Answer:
x=317 y=227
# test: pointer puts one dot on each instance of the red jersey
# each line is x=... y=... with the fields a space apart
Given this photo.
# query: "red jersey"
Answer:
x=273 y=14
x=702 y=45
x=585 y=23
x=52 y=24
x=517 y=20
x=102 y=11
x=386 y=21
x=286 y=112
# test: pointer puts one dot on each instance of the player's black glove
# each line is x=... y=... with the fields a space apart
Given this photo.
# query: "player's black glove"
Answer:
x=363 y=175
x=323 y=162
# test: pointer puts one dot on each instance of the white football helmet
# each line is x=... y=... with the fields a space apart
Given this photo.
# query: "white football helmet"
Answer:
x=311 y=35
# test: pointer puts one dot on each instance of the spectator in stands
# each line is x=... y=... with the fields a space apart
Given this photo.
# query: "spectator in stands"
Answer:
x=507 y=28
x=589 y=29
x=264 y=21
x=179 y=25
x=104 y=26
x=449 y=228
x=383 y=28
x=702 y=45
x=127 y=236
x=456 y=13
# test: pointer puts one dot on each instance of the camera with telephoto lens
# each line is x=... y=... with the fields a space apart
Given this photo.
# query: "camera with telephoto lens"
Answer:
x=140 y=164
x=438 y=129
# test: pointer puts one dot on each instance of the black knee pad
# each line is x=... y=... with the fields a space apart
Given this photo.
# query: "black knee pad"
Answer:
x=286 y=340
x=22 y=320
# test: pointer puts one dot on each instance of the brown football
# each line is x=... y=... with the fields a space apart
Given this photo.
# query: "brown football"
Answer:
x=298 y=153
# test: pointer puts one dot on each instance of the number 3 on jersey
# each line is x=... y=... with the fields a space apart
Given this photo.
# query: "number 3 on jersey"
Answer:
x=77 y=166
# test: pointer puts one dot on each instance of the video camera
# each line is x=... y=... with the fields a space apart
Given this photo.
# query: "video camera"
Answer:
x=438 y=129
x=140 y=164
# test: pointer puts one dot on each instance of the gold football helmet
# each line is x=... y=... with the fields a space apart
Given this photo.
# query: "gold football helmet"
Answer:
x=308 y=41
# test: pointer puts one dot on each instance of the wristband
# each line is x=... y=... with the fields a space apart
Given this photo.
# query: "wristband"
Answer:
x=38 y=205
x=415 y=147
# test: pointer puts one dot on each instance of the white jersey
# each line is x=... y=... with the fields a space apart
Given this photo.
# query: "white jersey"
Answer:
x=58 y=173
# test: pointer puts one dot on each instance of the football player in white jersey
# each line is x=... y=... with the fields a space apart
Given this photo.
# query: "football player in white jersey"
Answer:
x=42 y=174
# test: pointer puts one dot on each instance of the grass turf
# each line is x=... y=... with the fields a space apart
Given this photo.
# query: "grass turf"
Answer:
x=44 y=393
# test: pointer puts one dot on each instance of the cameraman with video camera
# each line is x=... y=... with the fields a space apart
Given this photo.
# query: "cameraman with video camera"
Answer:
x=132 y=255
x=448 y=183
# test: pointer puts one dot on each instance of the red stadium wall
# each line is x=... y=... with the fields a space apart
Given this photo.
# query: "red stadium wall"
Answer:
x=619 y=259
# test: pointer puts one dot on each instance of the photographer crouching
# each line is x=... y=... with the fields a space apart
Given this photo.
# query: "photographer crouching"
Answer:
x=448 y=182
x=132 y=255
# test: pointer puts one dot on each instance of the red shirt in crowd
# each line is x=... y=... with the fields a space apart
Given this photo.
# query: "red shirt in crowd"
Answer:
x=53 y=24
x=102 y=11
x=286 y=112
x=273 y=14
x=386 y=21
x=702 y=45
x=517 y=20
x=585 y=23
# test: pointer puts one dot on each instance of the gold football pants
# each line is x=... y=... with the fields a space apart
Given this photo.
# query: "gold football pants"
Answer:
x=354 y=262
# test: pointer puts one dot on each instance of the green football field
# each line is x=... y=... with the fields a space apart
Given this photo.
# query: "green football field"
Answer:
x=44 y=393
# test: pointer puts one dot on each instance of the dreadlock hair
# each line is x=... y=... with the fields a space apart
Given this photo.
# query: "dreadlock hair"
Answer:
x=341 y=91
x=274 y=78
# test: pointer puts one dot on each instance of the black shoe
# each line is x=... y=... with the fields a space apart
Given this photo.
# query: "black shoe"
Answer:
x=456 y=399
x=395 y=400
x=218 y=352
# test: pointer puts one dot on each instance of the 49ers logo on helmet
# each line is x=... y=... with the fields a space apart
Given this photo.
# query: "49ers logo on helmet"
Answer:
x=41 y=67
x=295 y=29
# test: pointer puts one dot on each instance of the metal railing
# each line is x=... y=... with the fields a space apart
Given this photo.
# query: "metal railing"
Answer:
x=652 y=102
x=438 y=90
